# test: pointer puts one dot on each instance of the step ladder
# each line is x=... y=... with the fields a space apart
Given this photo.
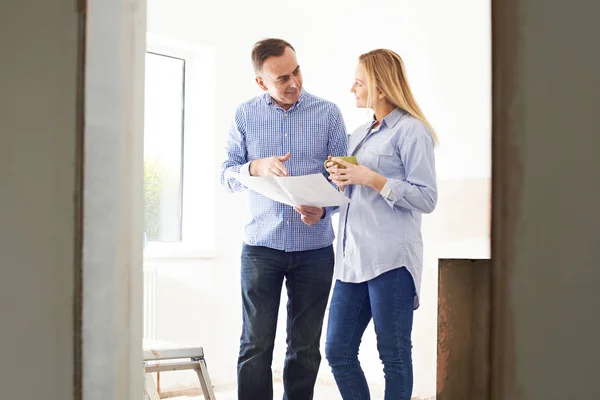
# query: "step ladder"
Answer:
x=176 y=359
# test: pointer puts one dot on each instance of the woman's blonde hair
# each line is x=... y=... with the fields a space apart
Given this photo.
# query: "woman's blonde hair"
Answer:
x=385 y=71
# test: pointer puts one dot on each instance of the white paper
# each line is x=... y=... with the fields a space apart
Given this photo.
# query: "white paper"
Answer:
x=306 y=190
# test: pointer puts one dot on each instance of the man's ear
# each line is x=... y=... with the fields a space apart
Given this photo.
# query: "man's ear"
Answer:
x=261 y=83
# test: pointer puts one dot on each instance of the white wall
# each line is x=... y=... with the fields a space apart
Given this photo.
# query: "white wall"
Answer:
x=38 y=76
x=446 y=48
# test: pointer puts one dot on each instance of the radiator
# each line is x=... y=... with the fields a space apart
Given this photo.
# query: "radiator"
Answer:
x=150 y=277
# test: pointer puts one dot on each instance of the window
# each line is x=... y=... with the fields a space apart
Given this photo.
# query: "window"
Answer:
x=179 y=153
x=163 y=147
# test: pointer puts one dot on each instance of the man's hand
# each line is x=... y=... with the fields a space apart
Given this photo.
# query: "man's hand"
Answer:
x=310 y=215
x=269 y=166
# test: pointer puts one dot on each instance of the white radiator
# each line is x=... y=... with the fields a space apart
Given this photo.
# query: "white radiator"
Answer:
x=150 y=277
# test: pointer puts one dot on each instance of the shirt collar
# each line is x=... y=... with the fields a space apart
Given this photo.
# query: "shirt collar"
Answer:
x=392 y=118
x=269 y=100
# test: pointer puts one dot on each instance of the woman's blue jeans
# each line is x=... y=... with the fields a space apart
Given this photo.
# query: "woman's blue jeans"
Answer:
x=387 y=299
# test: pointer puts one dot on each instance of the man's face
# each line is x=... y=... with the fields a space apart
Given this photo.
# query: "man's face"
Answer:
x=281 y=77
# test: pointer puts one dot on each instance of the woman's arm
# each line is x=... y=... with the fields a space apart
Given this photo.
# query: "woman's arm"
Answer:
x=419 y=191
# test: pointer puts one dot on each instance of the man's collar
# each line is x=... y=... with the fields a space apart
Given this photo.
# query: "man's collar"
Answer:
x=269 y=100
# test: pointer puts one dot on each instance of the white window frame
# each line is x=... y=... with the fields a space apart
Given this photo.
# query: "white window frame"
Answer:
x=198 y=222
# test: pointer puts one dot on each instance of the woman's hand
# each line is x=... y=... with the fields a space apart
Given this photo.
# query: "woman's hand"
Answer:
x=354 y=175
x=329 y=167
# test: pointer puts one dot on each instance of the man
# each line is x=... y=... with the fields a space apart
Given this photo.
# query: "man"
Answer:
x=284 y=132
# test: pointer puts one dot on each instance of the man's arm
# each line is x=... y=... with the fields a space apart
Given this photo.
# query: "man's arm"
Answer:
x=237 y=154
x=237 y=157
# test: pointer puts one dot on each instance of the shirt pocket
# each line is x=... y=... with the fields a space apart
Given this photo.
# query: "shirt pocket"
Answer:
x=389 y=163
x=385 y=159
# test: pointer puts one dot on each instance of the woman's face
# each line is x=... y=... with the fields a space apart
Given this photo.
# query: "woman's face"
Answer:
x=359 y=87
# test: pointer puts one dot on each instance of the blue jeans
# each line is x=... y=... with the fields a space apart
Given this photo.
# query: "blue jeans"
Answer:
x=389 y=300
x=308 y=276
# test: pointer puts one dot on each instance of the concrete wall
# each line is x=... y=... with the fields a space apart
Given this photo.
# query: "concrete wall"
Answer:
x=546 y=198
x=38 y=75
x=113 y=177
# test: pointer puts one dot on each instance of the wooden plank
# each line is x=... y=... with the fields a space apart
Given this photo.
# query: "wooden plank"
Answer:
x=464 y=300
x=171 y=354
x=207 y=387
x=150 y=386
x=170 y=366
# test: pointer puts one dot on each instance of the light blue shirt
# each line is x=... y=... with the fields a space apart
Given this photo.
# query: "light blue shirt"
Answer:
x=381 y=231
x=310 y=130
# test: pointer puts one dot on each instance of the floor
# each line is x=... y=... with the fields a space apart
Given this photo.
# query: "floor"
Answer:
x=322 y=392
x=325 y=388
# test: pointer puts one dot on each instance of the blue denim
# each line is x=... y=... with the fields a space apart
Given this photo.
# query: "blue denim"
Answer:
x=308 y=276
x=388 y=300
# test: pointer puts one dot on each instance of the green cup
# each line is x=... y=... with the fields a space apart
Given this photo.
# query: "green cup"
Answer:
x=348 y=159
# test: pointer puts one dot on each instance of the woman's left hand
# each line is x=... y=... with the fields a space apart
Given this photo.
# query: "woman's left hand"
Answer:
x=353 y=175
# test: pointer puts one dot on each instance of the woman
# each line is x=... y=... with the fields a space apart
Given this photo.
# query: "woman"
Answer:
x=379 y=256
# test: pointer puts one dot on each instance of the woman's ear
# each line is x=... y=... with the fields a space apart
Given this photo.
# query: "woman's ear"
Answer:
x=380 y=94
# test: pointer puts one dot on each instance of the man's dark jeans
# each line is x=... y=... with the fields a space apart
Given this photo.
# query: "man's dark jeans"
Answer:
x=308 y=278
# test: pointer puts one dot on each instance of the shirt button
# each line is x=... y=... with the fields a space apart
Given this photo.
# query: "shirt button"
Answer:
x=288 y=222
x=286 y=135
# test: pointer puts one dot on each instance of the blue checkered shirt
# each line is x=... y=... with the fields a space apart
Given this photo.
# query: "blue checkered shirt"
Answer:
x=310 y=130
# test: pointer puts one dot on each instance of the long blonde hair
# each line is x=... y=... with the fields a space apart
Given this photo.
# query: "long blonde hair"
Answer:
x=385 y=71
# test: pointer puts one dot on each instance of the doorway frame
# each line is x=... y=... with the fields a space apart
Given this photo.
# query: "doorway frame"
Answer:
x=506 y=185
x=108 y=282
